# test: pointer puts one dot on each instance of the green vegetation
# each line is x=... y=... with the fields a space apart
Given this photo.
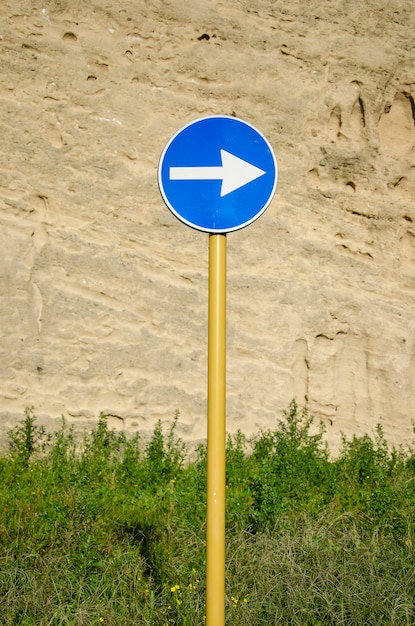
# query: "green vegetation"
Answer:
x=112 y=531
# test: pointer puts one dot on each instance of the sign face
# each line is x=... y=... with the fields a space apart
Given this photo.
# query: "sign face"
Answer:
x=217 y=174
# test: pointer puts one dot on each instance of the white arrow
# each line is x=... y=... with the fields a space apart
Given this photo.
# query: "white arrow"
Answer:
x=234 y=172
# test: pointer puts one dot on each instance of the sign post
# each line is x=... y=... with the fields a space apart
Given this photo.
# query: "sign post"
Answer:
x=216 y=436
x=217 y=174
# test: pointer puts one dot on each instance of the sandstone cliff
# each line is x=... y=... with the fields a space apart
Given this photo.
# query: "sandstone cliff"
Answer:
x=104 y=293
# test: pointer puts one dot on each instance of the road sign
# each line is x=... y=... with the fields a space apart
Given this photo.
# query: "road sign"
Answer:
x=217 y=174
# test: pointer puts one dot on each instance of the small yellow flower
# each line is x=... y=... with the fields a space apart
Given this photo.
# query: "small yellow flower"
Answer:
x=101 y=619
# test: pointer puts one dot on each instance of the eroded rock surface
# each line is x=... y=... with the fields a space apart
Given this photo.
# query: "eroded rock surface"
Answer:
x=104 y=293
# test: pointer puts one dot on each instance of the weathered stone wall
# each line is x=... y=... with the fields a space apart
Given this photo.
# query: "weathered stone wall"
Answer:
x=104 y=293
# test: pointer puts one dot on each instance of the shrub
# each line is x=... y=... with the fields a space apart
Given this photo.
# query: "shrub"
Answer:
x=27 y=438
x=289 y=469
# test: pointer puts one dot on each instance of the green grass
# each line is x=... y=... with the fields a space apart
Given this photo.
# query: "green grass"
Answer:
x=112 y=531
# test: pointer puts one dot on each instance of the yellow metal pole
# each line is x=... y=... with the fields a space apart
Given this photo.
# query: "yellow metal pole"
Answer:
x=216 y=436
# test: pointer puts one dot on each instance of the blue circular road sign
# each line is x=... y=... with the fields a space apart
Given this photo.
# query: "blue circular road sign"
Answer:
x=217 y=174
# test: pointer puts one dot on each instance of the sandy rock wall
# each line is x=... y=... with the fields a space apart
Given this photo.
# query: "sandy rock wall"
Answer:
x=103 y=293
